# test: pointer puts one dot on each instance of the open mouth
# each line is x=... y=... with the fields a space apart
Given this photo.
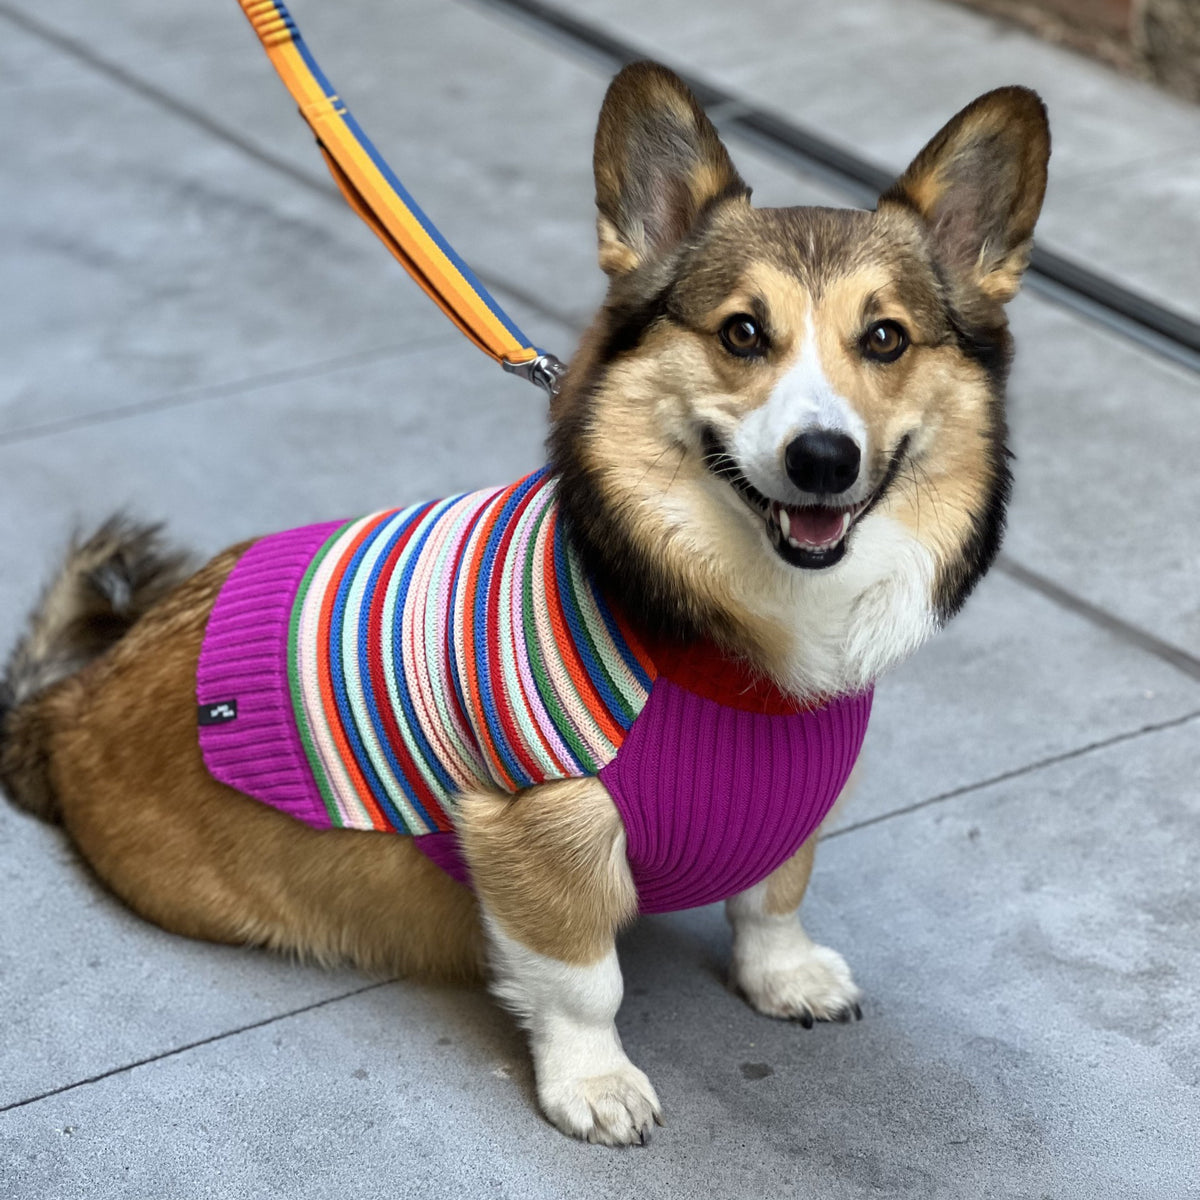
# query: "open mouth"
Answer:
x=813 y=536
x=810 y=535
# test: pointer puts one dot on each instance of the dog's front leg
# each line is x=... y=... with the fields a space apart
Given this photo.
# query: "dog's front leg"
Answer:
x=550 y=871
x=778 y=967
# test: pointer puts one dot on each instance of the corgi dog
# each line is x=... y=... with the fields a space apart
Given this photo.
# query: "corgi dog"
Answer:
x=776 y=466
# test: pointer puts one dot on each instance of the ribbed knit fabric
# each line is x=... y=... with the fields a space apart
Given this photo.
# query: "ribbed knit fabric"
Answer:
x=364 y=674
x=244 y=658
x=715 y=798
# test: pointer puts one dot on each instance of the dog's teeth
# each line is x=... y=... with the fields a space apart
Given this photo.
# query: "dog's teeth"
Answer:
x=845 y=523
x=784 y=523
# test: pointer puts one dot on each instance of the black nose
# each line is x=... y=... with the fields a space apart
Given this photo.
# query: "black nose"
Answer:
x=822 y=461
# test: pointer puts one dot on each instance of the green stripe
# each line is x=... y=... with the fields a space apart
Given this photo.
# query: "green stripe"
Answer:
x=562 y=722
x=587 y=620
x=507 y=634
x=393 y=659
x=425 y=623
x=369 y=554
x=302 y=724
x=609 y=652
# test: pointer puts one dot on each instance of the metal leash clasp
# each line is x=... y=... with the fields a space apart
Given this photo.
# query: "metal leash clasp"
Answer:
x=545 y=370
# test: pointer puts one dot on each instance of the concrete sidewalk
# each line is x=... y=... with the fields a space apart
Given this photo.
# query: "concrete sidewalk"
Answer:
x=195 y=327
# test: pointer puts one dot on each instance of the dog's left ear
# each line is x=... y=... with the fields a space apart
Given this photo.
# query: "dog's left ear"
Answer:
x=658 y=162
x=979 y=186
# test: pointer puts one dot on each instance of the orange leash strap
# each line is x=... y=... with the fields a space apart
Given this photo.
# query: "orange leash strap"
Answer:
x=381 y=200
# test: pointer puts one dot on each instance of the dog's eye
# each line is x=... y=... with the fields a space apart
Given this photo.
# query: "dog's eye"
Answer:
x=885 y=341
x=743 y=335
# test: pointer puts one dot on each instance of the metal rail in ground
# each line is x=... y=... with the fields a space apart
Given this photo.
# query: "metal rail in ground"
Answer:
x=1067 y=283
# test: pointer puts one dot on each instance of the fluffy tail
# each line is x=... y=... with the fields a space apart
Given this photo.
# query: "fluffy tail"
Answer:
x=104 y=585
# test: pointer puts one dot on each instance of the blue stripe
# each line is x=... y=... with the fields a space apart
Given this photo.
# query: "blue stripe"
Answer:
x=286 y=17
x=338 y=680
x=630 y=659
x=452 y=621
x=364 y=668
x=400 y=190
x=491 y=715
x=550 y=700
x=575 y=623
x=410 y=563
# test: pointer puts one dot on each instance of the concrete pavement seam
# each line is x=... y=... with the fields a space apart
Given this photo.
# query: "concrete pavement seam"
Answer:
x=1062 y=597
x=1172 y=655
x=1016 y=773
x=216 y=1037
x=219 y=391
x=313 y=181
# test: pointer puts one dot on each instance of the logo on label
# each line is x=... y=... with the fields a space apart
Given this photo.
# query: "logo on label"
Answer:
x=218 y=714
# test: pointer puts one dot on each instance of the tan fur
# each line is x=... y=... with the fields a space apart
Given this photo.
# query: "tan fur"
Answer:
x=114 y=749
x=986 y=238
x=104 y=585
x=654 y=143
x=550 y=865
x=832 y=272
x=198 y=858
x=787 y=884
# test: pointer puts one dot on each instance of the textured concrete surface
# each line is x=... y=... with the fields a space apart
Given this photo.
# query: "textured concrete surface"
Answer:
x=883 y=76
x=194 y=327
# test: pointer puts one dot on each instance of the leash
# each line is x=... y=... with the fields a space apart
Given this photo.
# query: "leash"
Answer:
x=372 y=190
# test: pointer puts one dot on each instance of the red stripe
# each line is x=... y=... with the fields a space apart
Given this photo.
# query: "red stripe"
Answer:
x=584 y=686
x=409 y=769
x=333 y=718
x=470 y=676
x=500 y=700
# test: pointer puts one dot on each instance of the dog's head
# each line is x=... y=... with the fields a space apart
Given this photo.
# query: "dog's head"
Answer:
x=787 y=425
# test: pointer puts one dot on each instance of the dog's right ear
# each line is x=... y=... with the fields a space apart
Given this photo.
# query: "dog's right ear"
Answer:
x=658 y=162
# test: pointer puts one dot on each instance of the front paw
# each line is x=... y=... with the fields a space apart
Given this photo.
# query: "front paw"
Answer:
x=813 y=985
x=618 y=1108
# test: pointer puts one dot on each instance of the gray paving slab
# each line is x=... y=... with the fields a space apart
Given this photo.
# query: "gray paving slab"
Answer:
x=518 y=207
x=26 y=60
x=363 y=437
x=150 y=257
x=1028 y=957
x=1141 y=227
x=1106 y=442
x=882 y=77
x=85 y=986
x=1014 y=680
x=541 y=239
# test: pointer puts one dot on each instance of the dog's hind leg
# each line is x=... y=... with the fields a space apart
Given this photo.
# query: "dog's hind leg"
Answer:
x=549 y=867
x=117 y=743
x=777 y=966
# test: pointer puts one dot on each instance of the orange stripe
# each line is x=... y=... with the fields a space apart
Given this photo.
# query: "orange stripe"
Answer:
x=566 y=646
x=633 y=642
x=474 y=695
x=370 y=195
x=333 y=717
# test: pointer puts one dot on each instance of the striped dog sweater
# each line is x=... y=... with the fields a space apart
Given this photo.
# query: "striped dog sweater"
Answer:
x=364 y=674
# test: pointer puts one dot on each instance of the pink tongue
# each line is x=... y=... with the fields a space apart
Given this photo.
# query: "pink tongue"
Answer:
x=814 y=526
